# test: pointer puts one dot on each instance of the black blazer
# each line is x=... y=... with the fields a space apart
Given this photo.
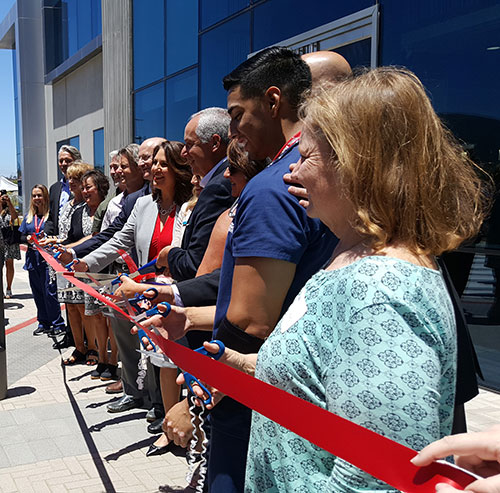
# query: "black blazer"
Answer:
x=52 y=223
x=75 y=232
x=214 y=199
x=96 y=241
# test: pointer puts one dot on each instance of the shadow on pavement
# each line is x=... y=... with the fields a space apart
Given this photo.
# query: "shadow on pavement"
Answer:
x=117 y=420
x=129 y=448
x=19 y=391
x=89 y=441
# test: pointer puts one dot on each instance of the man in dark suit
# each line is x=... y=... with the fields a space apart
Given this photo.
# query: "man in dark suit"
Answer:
x=205 y=145
x=59 y=195
x=59 y=192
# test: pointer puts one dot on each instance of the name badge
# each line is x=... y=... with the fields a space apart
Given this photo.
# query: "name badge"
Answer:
x=295 y=312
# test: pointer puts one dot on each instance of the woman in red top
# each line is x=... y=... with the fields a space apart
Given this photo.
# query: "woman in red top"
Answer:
x=155 y=222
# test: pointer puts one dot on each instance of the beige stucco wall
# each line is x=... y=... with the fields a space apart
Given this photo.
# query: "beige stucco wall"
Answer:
x=74 y=106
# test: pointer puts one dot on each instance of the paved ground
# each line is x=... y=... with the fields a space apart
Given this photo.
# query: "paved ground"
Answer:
x=56 y=436
x=55 y=433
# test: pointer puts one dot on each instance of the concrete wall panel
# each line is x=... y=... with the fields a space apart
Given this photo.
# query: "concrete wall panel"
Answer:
x=117 y=73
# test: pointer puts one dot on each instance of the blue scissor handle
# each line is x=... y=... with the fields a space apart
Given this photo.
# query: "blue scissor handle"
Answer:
x=140 y=297
x=155 y=311
x=149 y=264
x=68 y=266
x=190 y=379
x=116 y=280
x=150 y=313
x=142 y=334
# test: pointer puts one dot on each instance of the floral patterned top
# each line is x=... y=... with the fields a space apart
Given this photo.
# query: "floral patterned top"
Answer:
x=373 y=342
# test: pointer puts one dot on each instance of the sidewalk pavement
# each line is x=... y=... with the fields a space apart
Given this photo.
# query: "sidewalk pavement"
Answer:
x=55 y=432
x=56 y=436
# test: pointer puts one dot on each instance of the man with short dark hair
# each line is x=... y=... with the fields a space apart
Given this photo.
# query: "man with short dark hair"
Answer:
x=272 y=247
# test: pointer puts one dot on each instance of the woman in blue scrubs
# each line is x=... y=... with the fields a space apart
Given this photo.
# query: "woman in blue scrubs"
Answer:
x=49 y=316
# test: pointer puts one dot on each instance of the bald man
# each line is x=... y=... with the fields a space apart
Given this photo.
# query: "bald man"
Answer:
x=327 y=66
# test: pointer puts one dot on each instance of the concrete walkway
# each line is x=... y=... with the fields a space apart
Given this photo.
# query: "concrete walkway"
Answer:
x=55 y=433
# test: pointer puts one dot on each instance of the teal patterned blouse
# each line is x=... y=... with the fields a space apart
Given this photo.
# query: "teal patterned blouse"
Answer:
x=373 y=342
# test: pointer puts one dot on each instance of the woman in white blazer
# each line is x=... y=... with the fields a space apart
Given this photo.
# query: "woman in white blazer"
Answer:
x=155 y=222
x=156 y=217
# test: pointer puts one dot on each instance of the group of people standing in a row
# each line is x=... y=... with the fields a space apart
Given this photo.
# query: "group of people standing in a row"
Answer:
x=299 y=227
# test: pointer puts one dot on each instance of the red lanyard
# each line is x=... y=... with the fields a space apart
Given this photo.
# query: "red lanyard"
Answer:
x=289 y=143
x=38 y=224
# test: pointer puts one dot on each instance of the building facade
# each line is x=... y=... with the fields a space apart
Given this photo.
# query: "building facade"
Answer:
x=123 y=70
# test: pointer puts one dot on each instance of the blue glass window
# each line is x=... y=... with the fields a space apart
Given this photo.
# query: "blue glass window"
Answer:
x=455 y=50
x=212 y=12
x=72 y=141
x=278 y=20
x=149 y=41
x=358 y=54
x=149 y=114
x=182 y=31
x=99 y=149
x=182 y=101
x=222 y=49
x=69 y=25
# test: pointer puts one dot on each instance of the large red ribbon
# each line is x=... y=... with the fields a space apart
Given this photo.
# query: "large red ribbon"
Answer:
x=377 y=455
x=132 y=267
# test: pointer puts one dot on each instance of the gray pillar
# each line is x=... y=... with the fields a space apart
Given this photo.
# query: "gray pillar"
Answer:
x=117 y=73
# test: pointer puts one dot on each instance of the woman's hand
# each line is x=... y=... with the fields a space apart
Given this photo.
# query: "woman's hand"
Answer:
x=174 y=326
x=129 y=288
x=243 y=362
x=479 y=453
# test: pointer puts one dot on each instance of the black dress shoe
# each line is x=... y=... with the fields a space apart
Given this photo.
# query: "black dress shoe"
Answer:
x=154 y=450
x=124 y=404
x=156 y=426
x=40 y=330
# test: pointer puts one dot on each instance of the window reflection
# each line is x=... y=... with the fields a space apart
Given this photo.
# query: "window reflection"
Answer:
x=222 y=49
x=69 y=25
x=99 y=149
x=149 y=41
x=448 y=50
x=149 y=116
x=182 y=102
x=182 y=30
x=212 y=12
x=277 y=20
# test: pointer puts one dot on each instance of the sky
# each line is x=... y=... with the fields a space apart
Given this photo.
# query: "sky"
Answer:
x=7 y=119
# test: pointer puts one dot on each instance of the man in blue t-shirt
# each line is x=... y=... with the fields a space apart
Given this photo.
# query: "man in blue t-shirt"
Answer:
x=272 y=247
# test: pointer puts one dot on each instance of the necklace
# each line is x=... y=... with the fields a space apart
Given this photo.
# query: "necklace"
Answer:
x=165 y=212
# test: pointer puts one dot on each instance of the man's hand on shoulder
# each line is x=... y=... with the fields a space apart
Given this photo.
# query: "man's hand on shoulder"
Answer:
x=295 y=188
